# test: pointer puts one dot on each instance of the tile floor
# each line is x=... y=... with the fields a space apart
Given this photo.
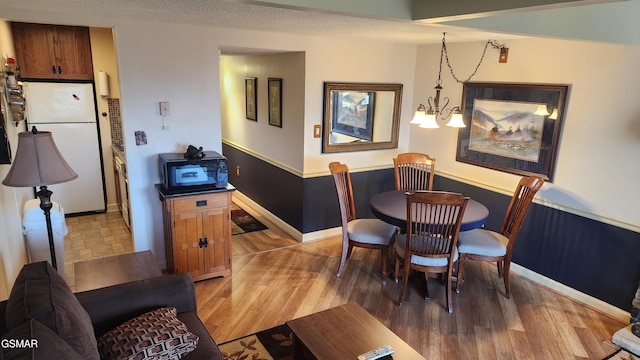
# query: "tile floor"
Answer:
x=94 y=236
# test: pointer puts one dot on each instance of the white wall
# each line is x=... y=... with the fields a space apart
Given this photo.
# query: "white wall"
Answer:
x=179 y=63
x=597 y=168
x=13 y=253
x=273 y=144
x=326 y=59
x=351 y=60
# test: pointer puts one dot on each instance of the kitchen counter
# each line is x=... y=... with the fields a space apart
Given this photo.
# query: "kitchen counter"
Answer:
x=122 y=182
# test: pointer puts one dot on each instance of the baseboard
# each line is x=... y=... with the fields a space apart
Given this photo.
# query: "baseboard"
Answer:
x=576 y=295
x=256 y=210
x=321 y=234
x=112 y=208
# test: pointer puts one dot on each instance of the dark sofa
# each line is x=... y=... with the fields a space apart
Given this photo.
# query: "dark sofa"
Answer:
x=106 y=308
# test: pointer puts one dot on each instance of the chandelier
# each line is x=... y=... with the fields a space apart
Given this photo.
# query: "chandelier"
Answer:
x=427 y=118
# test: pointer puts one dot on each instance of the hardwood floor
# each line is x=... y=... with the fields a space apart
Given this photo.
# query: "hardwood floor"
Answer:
x=276 y=279
x=271 y=287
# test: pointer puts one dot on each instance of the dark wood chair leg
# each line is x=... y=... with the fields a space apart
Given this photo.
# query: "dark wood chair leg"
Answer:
x=505 y=276
x=343 y=257
x=448 y=290
x=405 y=280
x=426 y=287
x=397 y=268
x=385 y=255
x=460 y=273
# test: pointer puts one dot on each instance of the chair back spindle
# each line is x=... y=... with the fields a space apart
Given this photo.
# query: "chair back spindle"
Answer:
x=414 y=171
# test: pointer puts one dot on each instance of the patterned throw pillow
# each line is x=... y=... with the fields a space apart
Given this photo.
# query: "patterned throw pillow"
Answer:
x=157 y=335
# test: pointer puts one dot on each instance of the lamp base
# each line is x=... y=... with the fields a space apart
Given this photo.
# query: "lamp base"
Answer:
x=45 y=204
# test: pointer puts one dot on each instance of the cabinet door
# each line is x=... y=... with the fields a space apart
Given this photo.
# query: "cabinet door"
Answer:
x=215 y=228
x=72 y=46
x=46 y=51
x=186 y=247
x=35 y=52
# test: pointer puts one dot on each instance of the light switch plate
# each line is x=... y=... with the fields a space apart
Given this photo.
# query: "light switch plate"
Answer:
x=164 y=108
x=316 y=131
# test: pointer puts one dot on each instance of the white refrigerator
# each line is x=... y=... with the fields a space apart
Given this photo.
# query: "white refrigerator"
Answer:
x=68 y=111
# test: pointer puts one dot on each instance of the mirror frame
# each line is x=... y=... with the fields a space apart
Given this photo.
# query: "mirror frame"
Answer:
x=327 y=147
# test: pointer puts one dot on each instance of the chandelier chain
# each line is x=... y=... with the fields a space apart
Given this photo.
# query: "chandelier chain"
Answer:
x=446 y=56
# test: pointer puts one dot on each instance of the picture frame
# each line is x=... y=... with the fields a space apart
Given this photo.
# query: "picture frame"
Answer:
x=251 y=98
x=352 y=113
x=514 y=128
x=274 y=86
x=385 y=110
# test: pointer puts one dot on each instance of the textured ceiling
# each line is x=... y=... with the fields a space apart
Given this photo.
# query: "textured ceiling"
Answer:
x=243 y=15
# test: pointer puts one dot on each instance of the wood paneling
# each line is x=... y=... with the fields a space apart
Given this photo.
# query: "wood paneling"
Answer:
x=564 y=247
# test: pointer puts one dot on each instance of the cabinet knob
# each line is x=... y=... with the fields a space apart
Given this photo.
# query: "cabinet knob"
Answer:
x=206 y=242
x=200 y=243
x=59 y=69
x=53 y=69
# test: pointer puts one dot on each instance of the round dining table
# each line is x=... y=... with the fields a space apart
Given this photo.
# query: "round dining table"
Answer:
x=391 y=207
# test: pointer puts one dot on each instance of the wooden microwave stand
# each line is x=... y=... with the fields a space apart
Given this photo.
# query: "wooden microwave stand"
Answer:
x=197 y=232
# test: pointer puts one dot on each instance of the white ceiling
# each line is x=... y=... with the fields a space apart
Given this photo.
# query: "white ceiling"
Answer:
x=304 y=20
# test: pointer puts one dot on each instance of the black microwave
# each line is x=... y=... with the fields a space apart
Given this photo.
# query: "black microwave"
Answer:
x=178 y=173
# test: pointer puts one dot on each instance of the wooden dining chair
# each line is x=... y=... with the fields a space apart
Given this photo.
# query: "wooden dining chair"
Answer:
x=414 y=171
x=429 y=244
x=365 y=233
x=487 y=245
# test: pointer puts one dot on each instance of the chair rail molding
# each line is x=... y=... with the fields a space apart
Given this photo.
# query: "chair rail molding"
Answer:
x=549 y=203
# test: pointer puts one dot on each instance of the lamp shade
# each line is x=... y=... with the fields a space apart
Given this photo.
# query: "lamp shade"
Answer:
x=429 y=122
x=38 y=162
x=419 y=118
x=541 y=110
x=456 y=120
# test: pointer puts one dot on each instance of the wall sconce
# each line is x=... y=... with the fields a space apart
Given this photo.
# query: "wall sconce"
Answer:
x=428 y=118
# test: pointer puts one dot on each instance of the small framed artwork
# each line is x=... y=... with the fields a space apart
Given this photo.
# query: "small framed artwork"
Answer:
x=251 y=97
x=513 y=128
x=275 y=101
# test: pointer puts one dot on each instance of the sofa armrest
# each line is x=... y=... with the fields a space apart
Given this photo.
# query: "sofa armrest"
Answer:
x=3 y=322
x=111 y=306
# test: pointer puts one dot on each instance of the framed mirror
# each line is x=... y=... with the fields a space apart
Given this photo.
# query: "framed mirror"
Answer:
x=360 y=116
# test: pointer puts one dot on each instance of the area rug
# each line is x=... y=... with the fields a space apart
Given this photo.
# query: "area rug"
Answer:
x=271 y=344
x=622 y=354
x=242 y=222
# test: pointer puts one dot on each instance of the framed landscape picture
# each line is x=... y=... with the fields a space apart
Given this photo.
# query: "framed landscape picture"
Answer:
x=275 y=101
x=513 y=128
x=251 y=98
x=353 y=114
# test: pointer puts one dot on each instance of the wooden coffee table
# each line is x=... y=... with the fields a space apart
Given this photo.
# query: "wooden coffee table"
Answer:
x=344 y=332
x=114 y=270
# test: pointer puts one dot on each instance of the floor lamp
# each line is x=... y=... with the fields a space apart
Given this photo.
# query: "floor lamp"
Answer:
x=38 y=162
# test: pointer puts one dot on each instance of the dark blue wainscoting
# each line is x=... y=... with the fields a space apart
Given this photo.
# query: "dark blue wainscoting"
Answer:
x=592 y=257
x=321 y=208
x=275 y=189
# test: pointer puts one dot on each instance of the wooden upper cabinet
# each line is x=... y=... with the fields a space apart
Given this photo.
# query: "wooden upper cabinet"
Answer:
x=46 y=51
